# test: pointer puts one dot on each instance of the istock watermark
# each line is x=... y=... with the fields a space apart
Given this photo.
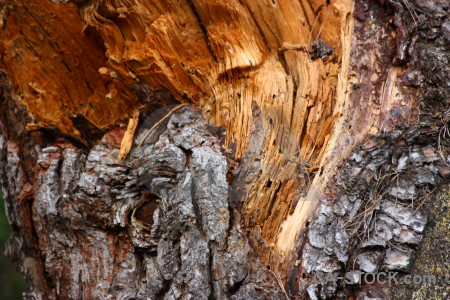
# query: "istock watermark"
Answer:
x=358 y=277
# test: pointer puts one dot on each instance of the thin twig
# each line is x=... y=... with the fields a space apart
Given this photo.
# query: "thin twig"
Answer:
x=159 y=122
x=280 y=283
x=425 y=198
x=411 y=11
x=312 y=28
x=323 y=22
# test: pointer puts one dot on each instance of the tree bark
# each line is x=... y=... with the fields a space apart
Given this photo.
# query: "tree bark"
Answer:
x=209 y=149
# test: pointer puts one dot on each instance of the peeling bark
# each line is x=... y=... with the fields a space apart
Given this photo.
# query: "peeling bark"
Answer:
x=157 y=226
x=311 y=140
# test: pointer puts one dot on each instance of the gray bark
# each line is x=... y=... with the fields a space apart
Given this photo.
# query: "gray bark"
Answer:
x=157 y=226
x=384 y=192
x=165 y=223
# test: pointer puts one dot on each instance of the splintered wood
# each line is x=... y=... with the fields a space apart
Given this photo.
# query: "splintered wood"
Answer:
x=247 y=65
x=53 y=67
x=127 y=141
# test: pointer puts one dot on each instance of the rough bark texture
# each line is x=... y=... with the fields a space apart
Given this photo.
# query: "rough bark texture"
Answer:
x=157 y=226
x=313 y=139
x=378 y=205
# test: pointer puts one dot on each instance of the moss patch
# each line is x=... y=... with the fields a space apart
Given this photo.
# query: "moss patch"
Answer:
x=433 y=257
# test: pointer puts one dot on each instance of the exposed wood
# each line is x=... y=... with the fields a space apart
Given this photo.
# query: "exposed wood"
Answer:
x=53 y=64
x=236 y=62
x=128 y=137
x=300 y=123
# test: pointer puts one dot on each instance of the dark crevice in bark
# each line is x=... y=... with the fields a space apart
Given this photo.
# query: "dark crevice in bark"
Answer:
x=212 y=249
x=232 y=290
x=162 y=293
x=91 y=134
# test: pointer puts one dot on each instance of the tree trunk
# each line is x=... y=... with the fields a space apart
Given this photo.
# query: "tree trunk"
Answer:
x=207 y=149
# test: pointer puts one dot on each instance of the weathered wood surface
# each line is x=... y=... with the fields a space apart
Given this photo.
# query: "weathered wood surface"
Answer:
x=322 y=115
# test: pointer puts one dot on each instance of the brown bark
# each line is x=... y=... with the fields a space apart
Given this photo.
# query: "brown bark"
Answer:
x=312 y=137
